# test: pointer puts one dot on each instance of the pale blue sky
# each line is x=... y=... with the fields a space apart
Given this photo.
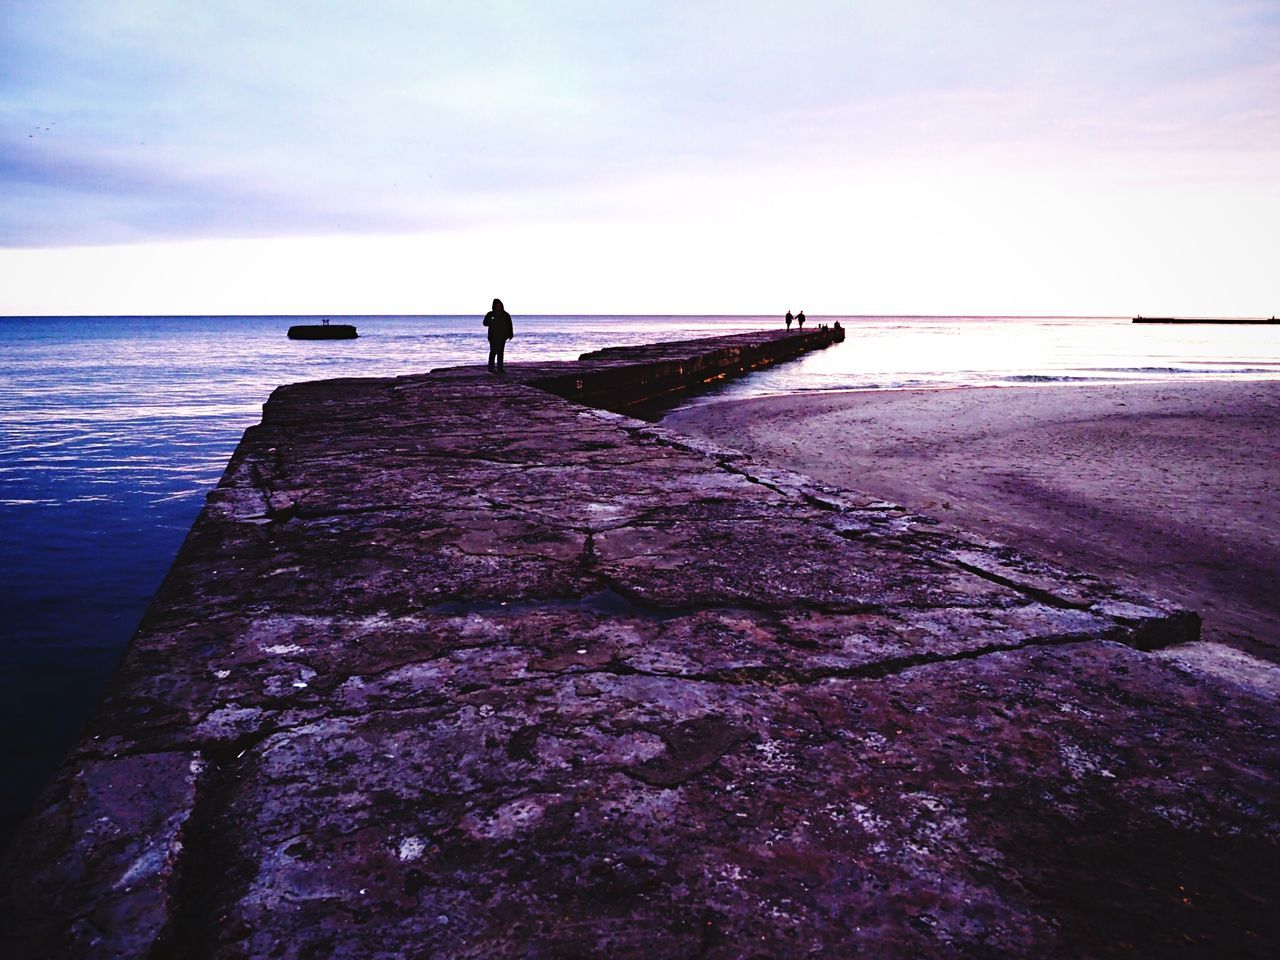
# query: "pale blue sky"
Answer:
x=861 y=157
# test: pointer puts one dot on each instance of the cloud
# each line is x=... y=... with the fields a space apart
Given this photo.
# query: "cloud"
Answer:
x=52 y=198
x=150 y=120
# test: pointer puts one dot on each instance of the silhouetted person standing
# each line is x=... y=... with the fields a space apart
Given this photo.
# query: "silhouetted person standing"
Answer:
x=789 y=319
x=500 y=331
x=800 y=319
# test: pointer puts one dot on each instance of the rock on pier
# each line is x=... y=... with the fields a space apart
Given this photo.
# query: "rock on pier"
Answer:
x=455 y=665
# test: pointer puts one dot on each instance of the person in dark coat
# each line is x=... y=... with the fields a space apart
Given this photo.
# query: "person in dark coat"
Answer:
x=800 y=319
x=789 y=318
x=500 y=331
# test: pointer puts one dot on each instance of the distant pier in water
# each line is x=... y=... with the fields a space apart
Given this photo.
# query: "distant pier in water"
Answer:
x=322 y=331
x=1224 y=320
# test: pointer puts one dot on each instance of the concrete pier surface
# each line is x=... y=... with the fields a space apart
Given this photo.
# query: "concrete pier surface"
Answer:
x=453 y=665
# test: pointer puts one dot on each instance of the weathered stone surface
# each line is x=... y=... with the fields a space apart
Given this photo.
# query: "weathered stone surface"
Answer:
x=95 y=874
x=452 y=666
x=989 y=806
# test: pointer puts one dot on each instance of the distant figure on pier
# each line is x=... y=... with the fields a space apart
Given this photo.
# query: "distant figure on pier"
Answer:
x=324 y=322
x=789 y=319
x=800 y=319
x=500 y=331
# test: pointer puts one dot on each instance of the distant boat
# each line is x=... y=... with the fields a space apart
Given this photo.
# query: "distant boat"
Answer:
x=1253 y=320
x=322 y=331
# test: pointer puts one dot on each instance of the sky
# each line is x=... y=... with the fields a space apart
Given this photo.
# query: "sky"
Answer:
x=640 y=156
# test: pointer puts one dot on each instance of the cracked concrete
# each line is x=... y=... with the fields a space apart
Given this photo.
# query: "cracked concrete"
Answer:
x=451 y=665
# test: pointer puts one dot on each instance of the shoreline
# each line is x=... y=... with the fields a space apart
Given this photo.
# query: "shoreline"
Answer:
x=1029 y=382
x=1168 y=487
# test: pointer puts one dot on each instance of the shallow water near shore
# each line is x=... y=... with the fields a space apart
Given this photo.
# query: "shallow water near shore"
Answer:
x=112 y=430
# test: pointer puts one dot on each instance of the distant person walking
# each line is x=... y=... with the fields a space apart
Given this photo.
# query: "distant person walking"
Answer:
x=500 y=331
x=789 y=319
x=800 y=319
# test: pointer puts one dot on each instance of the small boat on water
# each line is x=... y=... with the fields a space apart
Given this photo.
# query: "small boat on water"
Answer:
x=1233 y=320
x=322 y=331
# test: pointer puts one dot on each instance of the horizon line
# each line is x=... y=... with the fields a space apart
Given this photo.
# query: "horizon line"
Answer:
x=431 y=316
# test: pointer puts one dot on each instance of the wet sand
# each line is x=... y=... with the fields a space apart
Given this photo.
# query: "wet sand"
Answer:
x=1173 y=488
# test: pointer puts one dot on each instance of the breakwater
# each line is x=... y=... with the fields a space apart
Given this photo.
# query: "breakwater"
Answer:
x=623 y=378
x=1219 y=320
x=452 y=664
x=322 y=331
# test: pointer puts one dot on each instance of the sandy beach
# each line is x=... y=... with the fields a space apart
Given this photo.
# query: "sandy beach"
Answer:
x=1173 y=488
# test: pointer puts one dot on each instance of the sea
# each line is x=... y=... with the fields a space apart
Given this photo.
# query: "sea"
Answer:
x=113 y=430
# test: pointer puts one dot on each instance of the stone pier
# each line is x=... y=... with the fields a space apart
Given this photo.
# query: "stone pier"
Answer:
x=465 y=665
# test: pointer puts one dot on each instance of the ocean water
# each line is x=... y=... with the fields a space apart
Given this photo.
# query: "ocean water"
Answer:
x=113 y=429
